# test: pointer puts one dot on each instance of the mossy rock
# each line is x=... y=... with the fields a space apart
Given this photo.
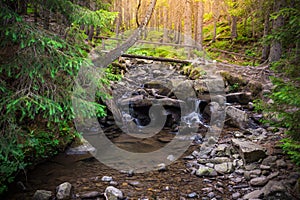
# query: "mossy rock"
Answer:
x=233 y=79
x=255 y=88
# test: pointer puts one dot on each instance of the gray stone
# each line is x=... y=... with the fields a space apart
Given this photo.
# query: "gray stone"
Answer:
x=273 y=175
x=211 y=195
x=238 y=117
x=253 y=195
x=239 y=97
x=249 y=151
x=273 y=187
x=161 y=167
x=192 y=195
x=90 y=195
x=134 y=183
x=296 y=189
x=265 y=167
x=259 y=181
x=106 y=178
x=220 y=150
x=281 y=163
x=269 y=160
x=42 y=195
x=236 y=195
x=205 y=171
x=224 y=168
x=112 y=193
x=113 y=183
x=64 y=191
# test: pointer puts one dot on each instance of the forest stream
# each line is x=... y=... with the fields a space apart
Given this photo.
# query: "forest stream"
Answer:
x=243 y=162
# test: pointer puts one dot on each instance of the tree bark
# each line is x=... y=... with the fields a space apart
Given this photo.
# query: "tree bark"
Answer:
x=234 y=27
x=165 y=22
x=276 y=47
x=200 y=13
x=188 y=23
x=216 y=15
x=266 y=47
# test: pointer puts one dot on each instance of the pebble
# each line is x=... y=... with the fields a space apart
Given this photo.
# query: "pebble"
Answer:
x=106 y=178
x=161 y=167
x=113 y=193
x=236 y=195
x=259 y=181
x=192 y=195
x=64 y=191
x=211 y=195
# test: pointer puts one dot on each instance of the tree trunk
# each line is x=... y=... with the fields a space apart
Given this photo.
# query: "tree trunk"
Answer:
x=105 y=60
x=276 y=47
x=266 y=47
x=91 y=33
x=165 y=22
x=234 y=27
x=216 y=15
x=188 y=23
x=118 y=21
x=200 y=13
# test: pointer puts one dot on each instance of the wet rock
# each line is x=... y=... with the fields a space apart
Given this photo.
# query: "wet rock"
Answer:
x=205 y=171
x=134 y=183
x=259 y=181
x=253 y=195
x=220 y=150
x=90 y=195
x=211 y=195
x=281 y=163
x=273 y=175
x=240 y=97
x=113 y=183
x=249 y=151
x=106 y=178
x=192 y=195
x=296 y=189
x=236 y=195
x=224 y=168
x=161 y=167
x=112 y=193
x=265 y=167
x=84 y=148
x=274 y=187
x=219 y=160
x=42 y=195
x=64 y=191
x=270 y=160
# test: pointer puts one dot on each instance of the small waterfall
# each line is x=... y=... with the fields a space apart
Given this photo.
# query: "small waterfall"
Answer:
x=195 y=117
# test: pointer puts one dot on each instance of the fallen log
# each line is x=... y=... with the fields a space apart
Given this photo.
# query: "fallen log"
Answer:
x=156 y=58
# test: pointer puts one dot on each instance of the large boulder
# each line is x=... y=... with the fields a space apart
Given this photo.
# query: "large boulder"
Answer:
x=249 y=151
x=238 y=118
x=239 y=97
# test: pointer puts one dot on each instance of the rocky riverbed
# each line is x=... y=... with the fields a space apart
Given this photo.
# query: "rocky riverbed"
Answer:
x=242 y=161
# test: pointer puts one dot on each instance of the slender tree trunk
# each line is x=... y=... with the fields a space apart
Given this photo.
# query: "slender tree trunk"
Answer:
x=276 y=47
x=253 y=25
x=266 y=47
x=200 y=13
x=234 y=27
x=188 y=23
x=216 y=15
x=91 y=33
x=165 y=23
